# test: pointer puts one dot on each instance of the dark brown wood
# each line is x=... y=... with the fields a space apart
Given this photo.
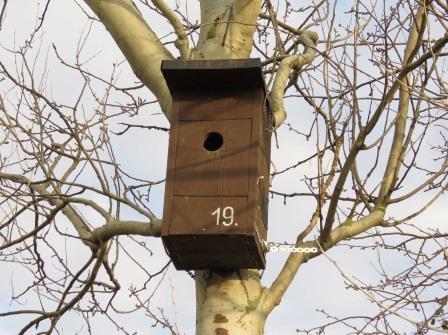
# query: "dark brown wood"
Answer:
x=216 y=194
x=219 y=74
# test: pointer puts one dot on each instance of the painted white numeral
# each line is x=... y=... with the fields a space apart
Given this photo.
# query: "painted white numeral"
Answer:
x=228 y=216
x=218 y=215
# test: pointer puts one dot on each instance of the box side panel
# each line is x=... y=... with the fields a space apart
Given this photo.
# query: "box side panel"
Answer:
x=259 y=183
x=171 y=163
x=264 y=158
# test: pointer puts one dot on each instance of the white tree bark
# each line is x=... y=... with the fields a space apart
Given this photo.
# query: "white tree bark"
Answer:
x=227 y=29
x=296 y=62
x=229 y=303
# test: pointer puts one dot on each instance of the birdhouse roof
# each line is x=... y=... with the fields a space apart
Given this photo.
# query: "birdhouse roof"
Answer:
x=182 y=75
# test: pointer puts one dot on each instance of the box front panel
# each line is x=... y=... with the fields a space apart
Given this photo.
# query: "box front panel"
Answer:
x=217 y=105
x=216 y=203
x=210 y=215
x=213 y=158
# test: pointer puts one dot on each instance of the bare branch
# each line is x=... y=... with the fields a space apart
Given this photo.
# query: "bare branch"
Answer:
x=78 y=222
x=182 y=39
x=309 y=40
x=116 y=228
x=140 y=45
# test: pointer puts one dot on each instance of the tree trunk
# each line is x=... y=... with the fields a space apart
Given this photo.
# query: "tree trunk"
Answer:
x=227 y=29
x=228 y=303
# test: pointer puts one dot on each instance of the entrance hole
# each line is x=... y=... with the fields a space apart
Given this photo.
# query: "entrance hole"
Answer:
x=213 y=141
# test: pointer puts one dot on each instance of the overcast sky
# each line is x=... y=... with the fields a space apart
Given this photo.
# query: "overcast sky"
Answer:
x=318 y=284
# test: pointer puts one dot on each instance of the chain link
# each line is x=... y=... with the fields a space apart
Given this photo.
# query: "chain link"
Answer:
x=286 y=247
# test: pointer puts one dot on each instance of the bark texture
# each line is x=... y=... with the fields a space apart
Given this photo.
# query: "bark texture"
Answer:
x=227 y=29
x=229 y=303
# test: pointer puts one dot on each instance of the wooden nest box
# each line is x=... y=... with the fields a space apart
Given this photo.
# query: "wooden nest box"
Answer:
x=217 y=182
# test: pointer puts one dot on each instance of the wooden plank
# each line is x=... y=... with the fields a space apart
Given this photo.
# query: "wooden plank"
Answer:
x=170 y=170
x=194 y=75
x=217 y=105
x=214 y=252
x=200 y=172
x=210 y=215
x=194 y=215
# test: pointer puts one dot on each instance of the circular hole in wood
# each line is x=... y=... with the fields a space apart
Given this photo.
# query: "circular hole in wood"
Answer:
x=213 y=141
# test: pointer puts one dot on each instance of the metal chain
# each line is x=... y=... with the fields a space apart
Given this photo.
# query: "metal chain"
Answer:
x=286 y=247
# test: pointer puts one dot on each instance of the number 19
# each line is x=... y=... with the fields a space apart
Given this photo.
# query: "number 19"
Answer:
x=228 y=216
